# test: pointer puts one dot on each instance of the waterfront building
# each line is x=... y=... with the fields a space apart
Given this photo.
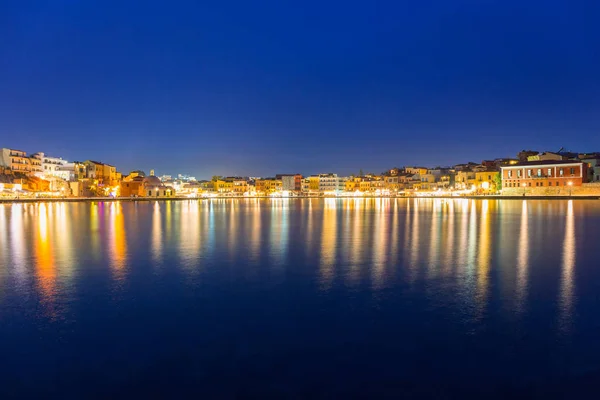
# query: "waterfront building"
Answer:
x=290 y=182
x=465 y=179
x=549 y=173
x=18 y=161
x=149 y=186
x=49 y=165
x=267 y=186
x=104 y=174
x=329 y=183
x=236 y=185
x=485 y=181
x=593 y=168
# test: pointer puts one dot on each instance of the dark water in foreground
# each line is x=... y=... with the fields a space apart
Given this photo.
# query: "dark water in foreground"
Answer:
x=300 y=298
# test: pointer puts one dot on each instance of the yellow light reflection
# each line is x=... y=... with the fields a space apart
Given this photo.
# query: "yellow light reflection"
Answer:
x=357 y=243
x=157 y=239
x=414 y=252
x=64 y=238
x=523 y=258
x=45 y=267
x=256 y=227
x=189 y=237
x=329 y=235
x=434 y=239
x=380 y=243
x=118 y=240
x=568 y=265
x=483 y=268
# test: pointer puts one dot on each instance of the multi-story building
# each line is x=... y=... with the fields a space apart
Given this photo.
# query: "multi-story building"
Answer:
x=105 y=174
x=71 y=171
x=485 y=181
x=593 y=168
x=549 y=173
x=267 y=186
x=49 y=165
x=290 y=182
x=330 y=184
x=18 y=161
x=352 y=184
x=465 y=179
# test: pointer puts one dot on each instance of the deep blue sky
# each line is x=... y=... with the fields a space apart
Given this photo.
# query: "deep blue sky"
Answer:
x=261 y=87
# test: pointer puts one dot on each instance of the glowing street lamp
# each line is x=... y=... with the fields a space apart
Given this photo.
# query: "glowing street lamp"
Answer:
x=524 y=186
x=570 y=187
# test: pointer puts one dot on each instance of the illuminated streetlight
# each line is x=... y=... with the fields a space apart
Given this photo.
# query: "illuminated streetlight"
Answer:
x=524 y=186
x=570 y=187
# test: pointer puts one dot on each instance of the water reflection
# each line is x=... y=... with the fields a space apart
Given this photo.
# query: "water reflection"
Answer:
x=117 y=240
x=329 y=235
x=523 y=258
x=157 y=233
x=483 y=263
x=45 y=269
x=459 y=250
x=18 y=245
x=568 y=265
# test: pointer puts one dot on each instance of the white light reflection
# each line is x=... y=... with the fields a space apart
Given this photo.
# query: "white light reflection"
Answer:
x=17 y=240
x=568 y=265
x=523 y=259
x=157 y=240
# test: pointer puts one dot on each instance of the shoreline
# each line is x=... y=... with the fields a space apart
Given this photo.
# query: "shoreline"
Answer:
x=162 y=199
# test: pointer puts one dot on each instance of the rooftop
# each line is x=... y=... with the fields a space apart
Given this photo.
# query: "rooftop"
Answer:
x=544 y=162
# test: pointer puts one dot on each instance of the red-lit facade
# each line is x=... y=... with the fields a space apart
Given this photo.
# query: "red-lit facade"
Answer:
x=545 y=174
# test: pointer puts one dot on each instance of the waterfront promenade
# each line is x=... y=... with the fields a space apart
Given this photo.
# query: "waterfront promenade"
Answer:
x=145 y=199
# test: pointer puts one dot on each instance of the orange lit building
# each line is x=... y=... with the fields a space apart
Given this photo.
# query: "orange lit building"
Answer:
x=545 y=174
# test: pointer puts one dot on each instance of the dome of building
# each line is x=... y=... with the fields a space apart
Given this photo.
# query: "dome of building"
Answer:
x=152 y=181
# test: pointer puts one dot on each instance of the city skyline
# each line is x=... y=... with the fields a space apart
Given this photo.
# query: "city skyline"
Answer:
x=224 y=88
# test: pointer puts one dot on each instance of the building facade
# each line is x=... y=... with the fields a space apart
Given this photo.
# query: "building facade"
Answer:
x=549 y=173
x=18 y=161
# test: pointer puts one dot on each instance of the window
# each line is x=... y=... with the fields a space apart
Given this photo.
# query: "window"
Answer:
x=529 y=184
x=149 y=192
x=572 y=171
x=539 y=172
x=549 y=171
x=561 y=172
x=519 y=173
x=529 y=173
x=549 y=183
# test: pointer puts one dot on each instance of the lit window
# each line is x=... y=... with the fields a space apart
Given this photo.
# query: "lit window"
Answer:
x=549 y=171
x=539 y=172
x=562 y=171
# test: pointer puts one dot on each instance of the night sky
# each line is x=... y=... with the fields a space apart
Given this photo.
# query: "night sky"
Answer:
x=263 y=87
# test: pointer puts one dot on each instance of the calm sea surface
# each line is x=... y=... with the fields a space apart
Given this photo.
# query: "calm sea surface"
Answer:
x=299 y=298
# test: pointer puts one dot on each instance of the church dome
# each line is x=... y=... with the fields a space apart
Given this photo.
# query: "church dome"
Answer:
x=152 y=181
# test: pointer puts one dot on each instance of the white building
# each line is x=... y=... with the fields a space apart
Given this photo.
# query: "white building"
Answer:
x=331 y=184
x=50 y=165
x=18 y=161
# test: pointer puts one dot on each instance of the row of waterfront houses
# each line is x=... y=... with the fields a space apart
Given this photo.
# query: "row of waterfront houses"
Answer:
x=531 y=172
